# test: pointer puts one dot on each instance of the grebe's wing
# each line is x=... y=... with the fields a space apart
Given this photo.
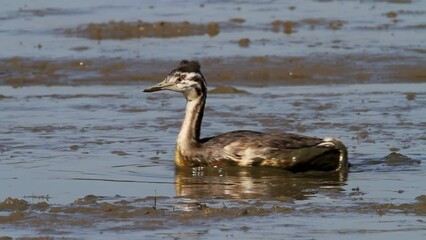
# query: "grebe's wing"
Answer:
x=285 y=150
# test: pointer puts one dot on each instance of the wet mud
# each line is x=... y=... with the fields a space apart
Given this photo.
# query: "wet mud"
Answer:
x=191 y=207
x=254 y=71
x=227 y=90
x=140 y=29
x=290 y=27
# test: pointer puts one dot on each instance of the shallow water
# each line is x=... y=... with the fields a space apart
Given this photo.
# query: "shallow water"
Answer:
x=34 y=28
x=62 y=143
x=84 y=154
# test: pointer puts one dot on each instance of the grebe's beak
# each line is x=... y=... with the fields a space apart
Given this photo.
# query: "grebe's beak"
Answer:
x=158 y=87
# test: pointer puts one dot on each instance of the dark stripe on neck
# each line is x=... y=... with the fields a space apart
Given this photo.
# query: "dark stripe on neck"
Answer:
x=197 y=117
x=201 y=89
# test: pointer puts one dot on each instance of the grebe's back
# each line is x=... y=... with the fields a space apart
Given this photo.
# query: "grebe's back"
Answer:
x=292 y=152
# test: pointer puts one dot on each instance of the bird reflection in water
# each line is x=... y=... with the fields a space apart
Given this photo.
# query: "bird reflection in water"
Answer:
x=254 y=183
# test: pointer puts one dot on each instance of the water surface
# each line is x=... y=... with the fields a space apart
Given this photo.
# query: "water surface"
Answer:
x=62 y=143
x=84 y=154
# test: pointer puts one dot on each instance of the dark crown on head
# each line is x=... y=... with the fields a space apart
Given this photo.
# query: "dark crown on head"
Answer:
x=188 y=66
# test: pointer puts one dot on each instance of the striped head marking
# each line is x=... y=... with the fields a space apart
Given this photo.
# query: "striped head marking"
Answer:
x=186 y=78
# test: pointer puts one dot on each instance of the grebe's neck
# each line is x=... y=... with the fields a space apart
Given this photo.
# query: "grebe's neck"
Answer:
x=189 y=135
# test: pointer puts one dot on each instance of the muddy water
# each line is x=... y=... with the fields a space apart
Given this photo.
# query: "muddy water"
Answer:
x=52 y=29
x=84 y=154
x=59 y=144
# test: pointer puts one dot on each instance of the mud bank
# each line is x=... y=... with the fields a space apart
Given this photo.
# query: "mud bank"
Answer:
x=126 y=30
x=154 y=213
x=253 y=71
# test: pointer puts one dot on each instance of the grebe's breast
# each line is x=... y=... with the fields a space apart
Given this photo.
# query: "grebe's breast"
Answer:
x=284 y=150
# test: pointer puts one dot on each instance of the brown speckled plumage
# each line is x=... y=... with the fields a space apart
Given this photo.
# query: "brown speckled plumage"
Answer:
x=242 y=148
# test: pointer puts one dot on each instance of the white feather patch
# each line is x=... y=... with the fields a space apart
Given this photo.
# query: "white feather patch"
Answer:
x=329 y=139
x=328 y=142
x=243 y=157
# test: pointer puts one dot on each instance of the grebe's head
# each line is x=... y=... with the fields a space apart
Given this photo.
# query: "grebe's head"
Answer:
x=186 y=78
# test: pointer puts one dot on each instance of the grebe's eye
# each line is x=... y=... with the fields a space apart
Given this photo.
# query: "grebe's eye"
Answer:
x=181 y=77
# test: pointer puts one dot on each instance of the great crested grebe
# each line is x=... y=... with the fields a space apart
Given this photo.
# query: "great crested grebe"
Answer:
x=288 y=151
